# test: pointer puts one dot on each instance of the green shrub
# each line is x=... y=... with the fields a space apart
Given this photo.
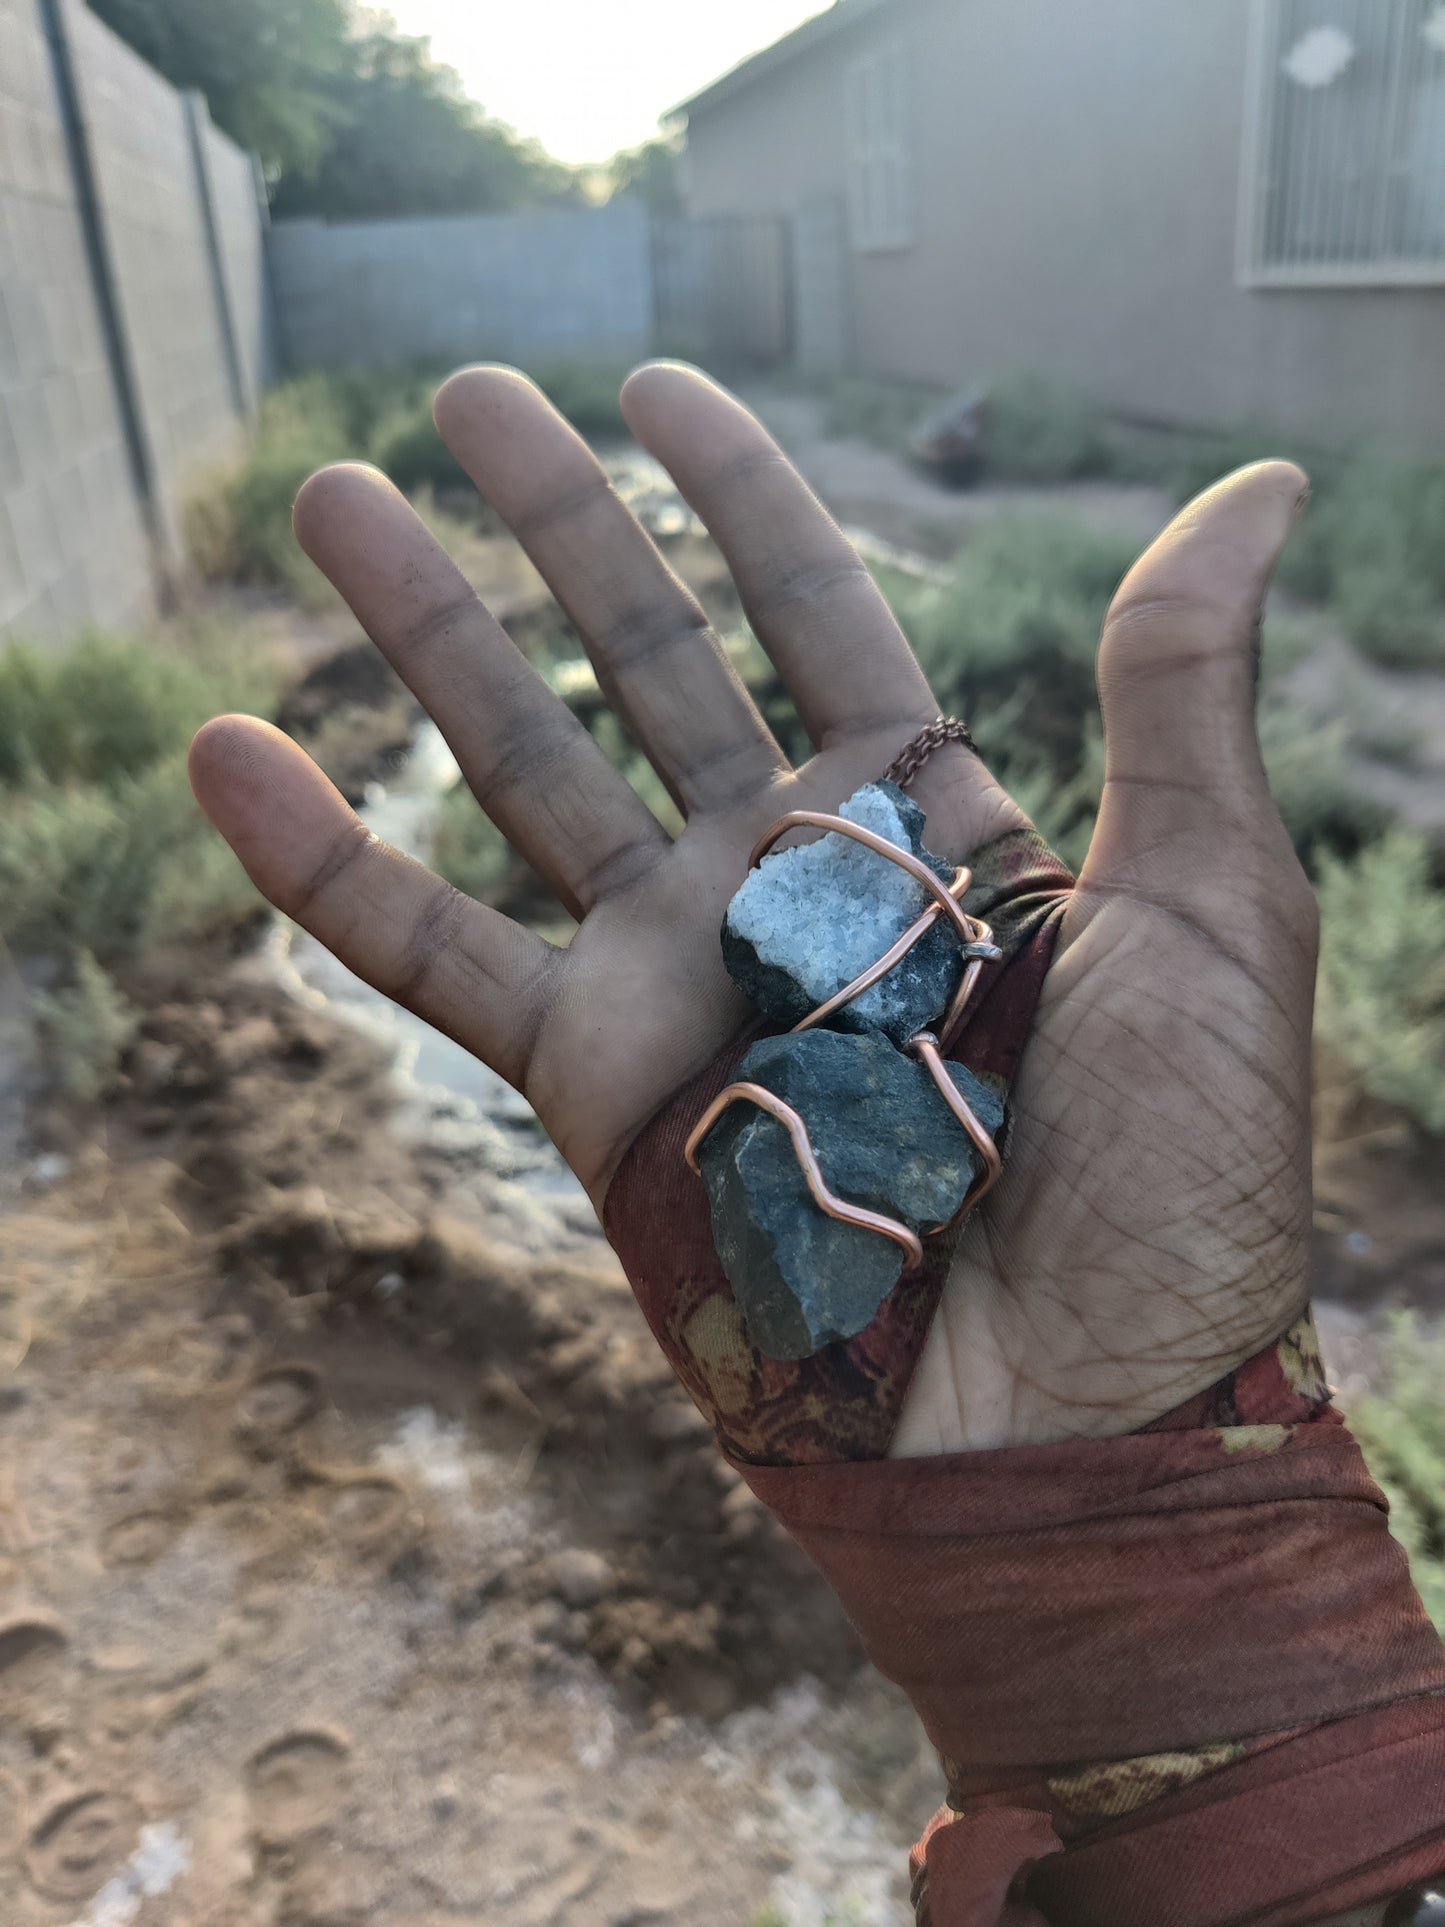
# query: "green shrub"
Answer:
x=112 y=706
x=102 y=847
x=85 y=1028
x=1041 y=430
x=408 y=447
x=1313 y=784
x=1370 y=511
x=114 y=870
x=1030 y=590
x=1391 y=614
x=1402 y=1432
x=1368 y=545
x=1063 y=807
x=239 y=527
x=1284 y=642
x=470 y=851
x=587 y=394
x=1381 y=1001
x=868 y=408
x=1021 y=616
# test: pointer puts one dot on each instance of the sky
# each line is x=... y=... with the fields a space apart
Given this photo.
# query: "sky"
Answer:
x=588 y=77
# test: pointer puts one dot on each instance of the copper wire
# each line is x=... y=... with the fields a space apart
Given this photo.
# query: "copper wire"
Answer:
x=978 y=946
x=826 y=1199
x=925 y=1047
x=875 y=973
x=870 y=839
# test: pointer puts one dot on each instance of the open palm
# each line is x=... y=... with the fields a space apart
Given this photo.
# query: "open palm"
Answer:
x=1150 y=1231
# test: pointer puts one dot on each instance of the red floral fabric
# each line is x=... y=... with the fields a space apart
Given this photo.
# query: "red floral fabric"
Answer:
x=1177 y=1679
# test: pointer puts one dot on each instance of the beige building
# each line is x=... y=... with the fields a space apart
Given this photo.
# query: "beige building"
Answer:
x=1209 y=211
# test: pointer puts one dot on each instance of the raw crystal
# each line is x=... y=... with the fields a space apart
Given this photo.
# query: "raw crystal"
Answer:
x=810 y=919
x=884 y=1138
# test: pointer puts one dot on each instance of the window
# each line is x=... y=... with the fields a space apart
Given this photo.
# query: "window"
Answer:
x=1344 y=176
x=880 y=150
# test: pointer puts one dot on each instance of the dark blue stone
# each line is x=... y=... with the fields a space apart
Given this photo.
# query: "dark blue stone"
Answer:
x=885 y=1138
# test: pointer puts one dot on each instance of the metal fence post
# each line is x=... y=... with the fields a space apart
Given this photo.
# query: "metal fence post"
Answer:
x=198 y=121
x=140 y=453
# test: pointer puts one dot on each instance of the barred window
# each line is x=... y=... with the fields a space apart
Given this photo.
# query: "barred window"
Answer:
x=1344 y=178
x=880 y=150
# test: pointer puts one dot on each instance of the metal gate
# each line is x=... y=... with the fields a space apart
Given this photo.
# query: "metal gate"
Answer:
x=721 y=290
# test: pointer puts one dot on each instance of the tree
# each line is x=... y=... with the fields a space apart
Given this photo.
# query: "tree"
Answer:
x=407 y=140
x=350 y=117
x=267 y=67
x=650 y=174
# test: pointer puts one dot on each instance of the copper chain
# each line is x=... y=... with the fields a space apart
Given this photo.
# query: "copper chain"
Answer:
x=911 y=758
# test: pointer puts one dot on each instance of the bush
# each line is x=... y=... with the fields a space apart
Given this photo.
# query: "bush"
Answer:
x=1031 y=590
x=1367 y=511
x=238 y=526
x=1040 y=430
x=1313 y=786
x=102 y=847
x=866 y=408
x=86 y=1028
x=587 y=394
x=1368 y=545
x=1381 y=999
x=114 y=870
x=470 y=851
x=112 y=706
x=1391 y=614
x=1020 y=617
x=408 y=448
x=1402 y=1432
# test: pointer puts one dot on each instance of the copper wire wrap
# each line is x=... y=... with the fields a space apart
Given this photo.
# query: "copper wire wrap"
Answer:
x=797 y=1130
x=977 y=947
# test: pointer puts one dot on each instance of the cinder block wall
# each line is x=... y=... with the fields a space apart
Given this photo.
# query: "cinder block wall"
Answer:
x=238 y=197
x=538 y=287
x=133 y=335
x=72 y=535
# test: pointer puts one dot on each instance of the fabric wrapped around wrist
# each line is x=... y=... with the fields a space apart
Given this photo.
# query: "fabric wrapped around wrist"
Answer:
x=1178 y=1679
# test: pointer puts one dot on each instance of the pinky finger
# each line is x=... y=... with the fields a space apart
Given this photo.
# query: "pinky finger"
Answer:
x=471 y=972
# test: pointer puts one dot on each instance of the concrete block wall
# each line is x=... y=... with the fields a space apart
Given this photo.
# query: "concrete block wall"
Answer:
x=145 y=172
x=238 y=197
x=73 y=543
x=133 y=337
x=574 y=284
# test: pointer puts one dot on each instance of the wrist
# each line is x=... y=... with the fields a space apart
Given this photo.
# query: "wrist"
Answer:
x=1207 y=1618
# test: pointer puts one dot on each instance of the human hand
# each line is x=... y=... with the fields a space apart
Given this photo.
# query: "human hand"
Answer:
x=1150 y=1229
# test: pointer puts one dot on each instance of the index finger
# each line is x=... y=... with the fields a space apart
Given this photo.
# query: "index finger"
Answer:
x=465 y=968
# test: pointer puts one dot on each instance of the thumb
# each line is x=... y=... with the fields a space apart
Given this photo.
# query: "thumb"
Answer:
x=1178 y=667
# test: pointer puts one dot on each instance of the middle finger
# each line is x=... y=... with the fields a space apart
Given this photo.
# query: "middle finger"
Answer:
x=660 y=666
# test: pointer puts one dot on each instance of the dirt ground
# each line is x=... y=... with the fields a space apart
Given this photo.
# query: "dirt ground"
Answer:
x=361 y=1562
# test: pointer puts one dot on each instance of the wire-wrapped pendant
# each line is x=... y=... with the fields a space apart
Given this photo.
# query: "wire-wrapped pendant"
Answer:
x=849 y=1139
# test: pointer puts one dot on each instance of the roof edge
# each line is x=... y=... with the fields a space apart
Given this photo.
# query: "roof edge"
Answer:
x=835 y=19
